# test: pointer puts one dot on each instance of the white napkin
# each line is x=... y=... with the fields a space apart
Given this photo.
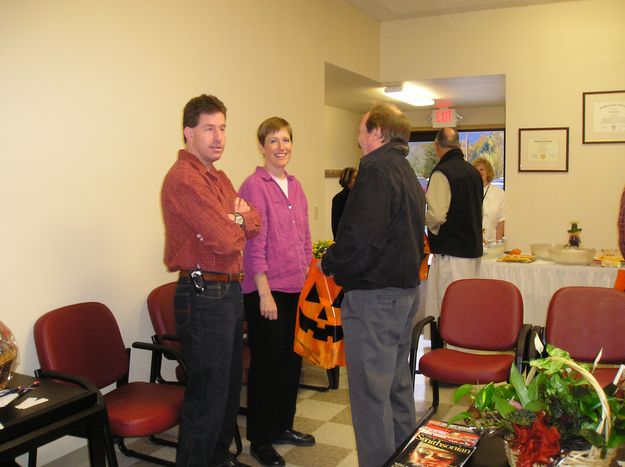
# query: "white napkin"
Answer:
x=31 y=401
x=5 y=400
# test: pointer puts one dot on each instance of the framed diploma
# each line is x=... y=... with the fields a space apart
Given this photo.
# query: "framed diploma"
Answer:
x=544 y=149
x=604 y=117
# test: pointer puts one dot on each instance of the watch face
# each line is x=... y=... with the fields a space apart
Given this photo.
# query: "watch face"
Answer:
x=238 y=218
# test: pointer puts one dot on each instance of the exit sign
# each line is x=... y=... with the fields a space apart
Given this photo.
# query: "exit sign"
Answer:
x=444 y=118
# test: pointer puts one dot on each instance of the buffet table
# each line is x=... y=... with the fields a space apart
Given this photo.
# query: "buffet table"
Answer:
x=538 y=281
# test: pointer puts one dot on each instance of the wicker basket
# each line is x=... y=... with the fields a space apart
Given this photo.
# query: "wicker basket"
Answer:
x=7 y=359
x=590 y=457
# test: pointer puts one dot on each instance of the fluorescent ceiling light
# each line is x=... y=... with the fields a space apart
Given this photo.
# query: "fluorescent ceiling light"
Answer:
x=409 y=94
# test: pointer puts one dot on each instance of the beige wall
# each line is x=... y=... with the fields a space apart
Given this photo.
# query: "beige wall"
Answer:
x=91 y=95
x=549 y=55
x=340 y=150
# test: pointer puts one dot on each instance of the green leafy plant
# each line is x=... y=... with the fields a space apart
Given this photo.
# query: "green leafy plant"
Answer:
x=320 y=247
x=556 y=393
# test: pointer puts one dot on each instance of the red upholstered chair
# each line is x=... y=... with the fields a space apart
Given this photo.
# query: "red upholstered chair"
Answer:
x=476 y=315
x=84 y=340
x=584 y=320
x=162 y=315
x=161 y=310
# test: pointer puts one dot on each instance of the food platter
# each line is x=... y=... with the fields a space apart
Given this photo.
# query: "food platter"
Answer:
x=517 y=258
x=612 y=260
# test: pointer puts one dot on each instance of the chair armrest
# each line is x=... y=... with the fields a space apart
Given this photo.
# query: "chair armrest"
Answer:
x=78 y=380
x=532 y=352
x=162 y=350
x=84 y=383
x=170 y=337
x=417 y=330
x=522 y=344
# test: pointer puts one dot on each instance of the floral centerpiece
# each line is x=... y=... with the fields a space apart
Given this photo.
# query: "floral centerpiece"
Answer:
x=556 y=415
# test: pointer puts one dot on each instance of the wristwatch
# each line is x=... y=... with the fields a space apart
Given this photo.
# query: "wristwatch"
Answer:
x=238 y=219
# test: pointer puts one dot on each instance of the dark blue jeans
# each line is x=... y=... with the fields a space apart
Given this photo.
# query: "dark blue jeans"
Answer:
x=210 y=329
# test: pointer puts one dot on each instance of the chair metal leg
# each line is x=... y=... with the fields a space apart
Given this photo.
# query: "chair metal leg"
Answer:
x=412 y=362
x=162 y=441
x=111 y=455
x=333 y=381
x=435 y=396
x=434 y=407
x=334 y=375
x=238 y=441
x=139 y=455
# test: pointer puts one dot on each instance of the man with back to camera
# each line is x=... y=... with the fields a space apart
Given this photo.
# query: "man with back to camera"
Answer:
x=454 y=219
x=206 y=225
x=376 y=259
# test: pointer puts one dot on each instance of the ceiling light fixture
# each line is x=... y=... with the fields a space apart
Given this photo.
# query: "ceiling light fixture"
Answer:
x=409 y=94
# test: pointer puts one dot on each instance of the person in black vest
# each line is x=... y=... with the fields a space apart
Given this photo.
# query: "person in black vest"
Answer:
x=453 y=218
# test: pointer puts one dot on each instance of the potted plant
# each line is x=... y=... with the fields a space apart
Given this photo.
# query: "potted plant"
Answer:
x=556 y=415
x=320 y=247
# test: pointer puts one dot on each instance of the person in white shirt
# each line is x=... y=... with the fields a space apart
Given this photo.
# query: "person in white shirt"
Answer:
x=493 y=205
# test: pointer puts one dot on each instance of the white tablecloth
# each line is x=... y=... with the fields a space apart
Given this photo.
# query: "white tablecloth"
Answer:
x=538 y=281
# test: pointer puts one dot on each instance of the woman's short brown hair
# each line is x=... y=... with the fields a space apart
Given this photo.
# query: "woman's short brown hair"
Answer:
x=272 y=125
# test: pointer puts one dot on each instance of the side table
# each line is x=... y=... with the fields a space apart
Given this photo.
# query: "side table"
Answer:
x=70 y=410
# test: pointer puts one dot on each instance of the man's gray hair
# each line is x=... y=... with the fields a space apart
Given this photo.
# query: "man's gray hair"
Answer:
x=447 y=138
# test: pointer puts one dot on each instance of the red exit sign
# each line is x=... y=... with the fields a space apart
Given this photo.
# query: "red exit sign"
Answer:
x=444 y=118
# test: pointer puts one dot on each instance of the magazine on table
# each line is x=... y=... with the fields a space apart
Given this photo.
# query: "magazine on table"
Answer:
x=439 y=444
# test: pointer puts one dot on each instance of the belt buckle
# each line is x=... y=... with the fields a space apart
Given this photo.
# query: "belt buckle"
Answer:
x=235 y=276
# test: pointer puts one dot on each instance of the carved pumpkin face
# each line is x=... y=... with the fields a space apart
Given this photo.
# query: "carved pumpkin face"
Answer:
x=318 y=330
x=320 y=315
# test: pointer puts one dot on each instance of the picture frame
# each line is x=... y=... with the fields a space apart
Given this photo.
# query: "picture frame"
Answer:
x=544 y=149
x=603 y=118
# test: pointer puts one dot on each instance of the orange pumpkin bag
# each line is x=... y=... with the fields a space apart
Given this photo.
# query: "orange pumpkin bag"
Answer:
x=425 y=262
x=619 y=284
x=318 y=329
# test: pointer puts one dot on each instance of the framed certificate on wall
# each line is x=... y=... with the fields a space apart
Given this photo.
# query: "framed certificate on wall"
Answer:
x=544 y=149
x=604 y=117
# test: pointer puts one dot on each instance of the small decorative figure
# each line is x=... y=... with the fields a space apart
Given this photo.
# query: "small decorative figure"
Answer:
x=574 y=240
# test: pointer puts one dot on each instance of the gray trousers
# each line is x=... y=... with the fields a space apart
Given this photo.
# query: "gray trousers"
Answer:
x=377 y=325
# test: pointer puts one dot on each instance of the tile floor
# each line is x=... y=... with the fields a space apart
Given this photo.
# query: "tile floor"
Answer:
x=324 y=414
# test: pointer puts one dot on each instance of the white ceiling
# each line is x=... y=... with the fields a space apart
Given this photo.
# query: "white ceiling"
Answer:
x=389 y=10
x=350 y=91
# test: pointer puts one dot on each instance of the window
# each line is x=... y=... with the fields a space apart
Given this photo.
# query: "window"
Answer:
x=474 y=143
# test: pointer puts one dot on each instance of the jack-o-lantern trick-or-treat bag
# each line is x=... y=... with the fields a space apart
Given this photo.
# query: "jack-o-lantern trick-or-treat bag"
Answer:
x=318 y=330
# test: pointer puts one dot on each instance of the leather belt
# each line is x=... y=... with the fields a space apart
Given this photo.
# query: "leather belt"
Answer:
x=216 y=276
